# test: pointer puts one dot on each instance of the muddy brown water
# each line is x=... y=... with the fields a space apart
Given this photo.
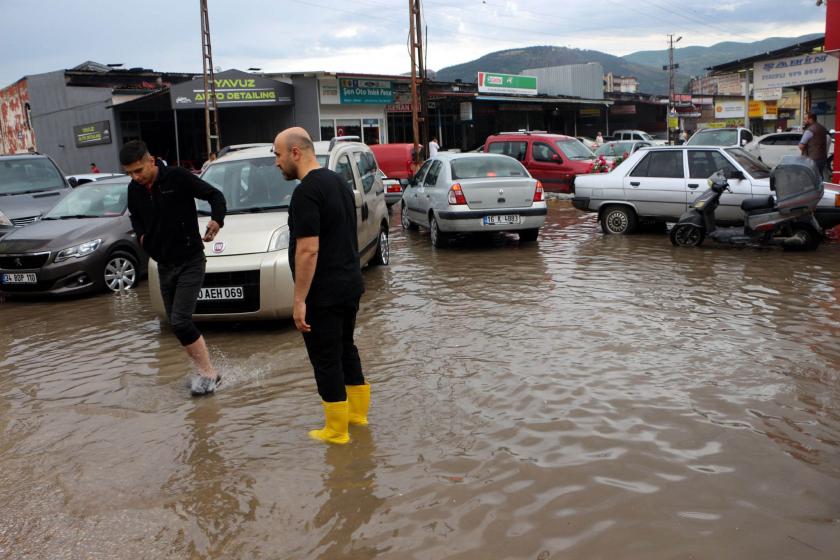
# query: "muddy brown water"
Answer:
x=582 y=397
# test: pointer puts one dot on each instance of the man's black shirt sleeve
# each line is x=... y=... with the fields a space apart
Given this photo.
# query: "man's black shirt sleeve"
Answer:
x=204 y=191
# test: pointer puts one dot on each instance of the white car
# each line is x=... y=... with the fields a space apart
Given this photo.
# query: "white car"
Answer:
x=82 y=178
x=771 y=148
x=473 y=193
x=723 y=137
x=658 y=184
x=641 y=135
x=248 y=274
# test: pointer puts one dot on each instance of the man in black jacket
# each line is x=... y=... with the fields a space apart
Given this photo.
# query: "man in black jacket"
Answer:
x=162 y=204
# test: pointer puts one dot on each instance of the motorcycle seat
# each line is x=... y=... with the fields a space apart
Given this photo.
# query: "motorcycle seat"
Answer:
x=760 y=203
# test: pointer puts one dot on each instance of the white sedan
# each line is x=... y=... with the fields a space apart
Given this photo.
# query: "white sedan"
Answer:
x=771 y=148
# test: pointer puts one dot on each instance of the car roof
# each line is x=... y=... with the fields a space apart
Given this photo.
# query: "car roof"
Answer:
x=266 y=150
x=531 y=134
x=460 y=155
x=24 y=156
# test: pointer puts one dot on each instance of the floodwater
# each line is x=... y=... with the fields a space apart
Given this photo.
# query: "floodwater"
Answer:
x=583 y=397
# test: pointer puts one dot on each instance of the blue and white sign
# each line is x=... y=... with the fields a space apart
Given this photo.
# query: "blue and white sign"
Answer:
x=795 y=71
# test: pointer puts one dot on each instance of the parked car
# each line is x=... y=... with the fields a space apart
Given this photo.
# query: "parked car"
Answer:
x=393 y=189
x=469 y=193
x=641 y=135
x=81 y=179
x=553 y=159
x=83 y=244
x=248 y=275
x=771 y=148
x=611 y=151
x=589 y=143
x=724 y=137
x=30 y=184
x=658 y=184
x=395 y=160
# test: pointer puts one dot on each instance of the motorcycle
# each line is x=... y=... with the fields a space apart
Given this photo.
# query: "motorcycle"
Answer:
x=786 y=219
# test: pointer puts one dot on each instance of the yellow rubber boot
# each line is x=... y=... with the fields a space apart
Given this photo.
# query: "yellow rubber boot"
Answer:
x=358 y=397
x=335 y=427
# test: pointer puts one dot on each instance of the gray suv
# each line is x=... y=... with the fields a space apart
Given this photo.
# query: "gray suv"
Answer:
x=30 y=185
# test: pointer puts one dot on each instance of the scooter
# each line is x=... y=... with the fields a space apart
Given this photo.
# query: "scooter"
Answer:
x=786 y=220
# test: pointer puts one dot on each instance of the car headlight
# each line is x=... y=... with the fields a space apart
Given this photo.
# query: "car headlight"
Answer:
x=279 y=239
x=4 y=220
x=78 y=251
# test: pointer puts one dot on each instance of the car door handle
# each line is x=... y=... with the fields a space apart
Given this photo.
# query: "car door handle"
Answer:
x=634 y=183
x=693 y=185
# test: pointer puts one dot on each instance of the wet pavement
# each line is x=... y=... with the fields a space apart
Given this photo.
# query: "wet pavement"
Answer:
x=582 y=397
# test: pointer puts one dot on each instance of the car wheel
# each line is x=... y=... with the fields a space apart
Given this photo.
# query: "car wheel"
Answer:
x=528 y=235
x=810 y=239
x=405 y=221
x=618 y=220
x=383 y=249
x=687 y=235
x=439 y=238
x=120 y=272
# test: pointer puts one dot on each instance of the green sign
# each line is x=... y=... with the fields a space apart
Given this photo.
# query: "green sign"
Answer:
x=92 y=134
x=506 y=83
x=234 y=88
x=362 y=91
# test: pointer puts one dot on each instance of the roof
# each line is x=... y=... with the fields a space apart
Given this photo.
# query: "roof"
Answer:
x=791 y=50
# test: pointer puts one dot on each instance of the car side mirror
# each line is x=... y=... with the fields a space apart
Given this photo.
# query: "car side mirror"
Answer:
x=736 y=174
x=743 y=141
x=357 y=198
x=73 y=182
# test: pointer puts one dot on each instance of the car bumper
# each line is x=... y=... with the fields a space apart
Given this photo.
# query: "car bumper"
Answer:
x=73 y=276
x=392 y=198
x=266 y=279
x=581 y=203
x=472 y=221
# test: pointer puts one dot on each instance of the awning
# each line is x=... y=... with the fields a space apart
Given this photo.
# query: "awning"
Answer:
x=573 y=100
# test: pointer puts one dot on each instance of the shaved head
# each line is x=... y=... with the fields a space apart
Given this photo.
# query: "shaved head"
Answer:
x=294 y=153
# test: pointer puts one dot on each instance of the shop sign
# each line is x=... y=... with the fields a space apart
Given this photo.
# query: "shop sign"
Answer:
x=673 y=122
x=92 y=134
x=623 y=110
x=769 y=94
x=766 y=110
x=398 y=108
x=795 y=71
x=729 y=109
x=234 y=88
x=507 y=83
x=589 y=112
x=824 y=107
x=702 y=101
x=329 y=92
x=361 y=91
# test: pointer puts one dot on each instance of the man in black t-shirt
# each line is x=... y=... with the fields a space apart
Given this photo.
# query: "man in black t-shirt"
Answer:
x=324 y=257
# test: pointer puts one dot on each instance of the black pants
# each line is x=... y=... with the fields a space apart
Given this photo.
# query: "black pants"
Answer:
x=179 y=287
x=332 y=352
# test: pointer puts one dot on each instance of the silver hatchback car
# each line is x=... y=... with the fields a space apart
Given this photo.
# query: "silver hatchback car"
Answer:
x=468 y=193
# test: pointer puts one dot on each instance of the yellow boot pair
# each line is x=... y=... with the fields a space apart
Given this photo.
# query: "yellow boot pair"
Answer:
x=340 y=414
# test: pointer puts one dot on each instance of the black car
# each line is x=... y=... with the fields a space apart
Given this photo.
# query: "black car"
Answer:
x=30 y=184
x=84 y=244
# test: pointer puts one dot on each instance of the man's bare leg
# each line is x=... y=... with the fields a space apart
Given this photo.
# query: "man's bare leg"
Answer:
x=201 y=357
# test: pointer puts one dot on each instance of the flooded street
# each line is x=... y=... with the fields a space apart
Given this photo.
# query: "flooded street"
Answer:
x=581 y=397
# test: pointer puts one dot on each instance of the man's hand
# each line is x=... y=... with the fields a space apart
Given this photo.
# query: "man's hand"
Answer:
x=299 y=315
x=211 y=231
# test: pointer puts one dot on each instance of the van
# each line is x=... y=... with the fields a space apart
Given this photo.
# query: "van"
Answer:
x=395 y=160
x=553 y=159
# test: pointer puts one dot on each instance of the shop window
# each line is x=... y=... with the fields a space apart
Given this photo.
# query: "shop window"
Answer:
x=327 y=129
x=348 y=127
x=370 y=128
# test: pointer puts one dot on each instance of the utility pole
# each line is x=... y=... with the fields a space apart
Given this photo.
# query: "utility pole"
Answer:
x=211 y=111
x=670 y=68
x=419 y=99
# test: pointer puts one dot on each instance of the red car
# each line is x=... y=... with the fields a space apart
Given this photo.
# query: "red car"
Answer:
x=553 y=159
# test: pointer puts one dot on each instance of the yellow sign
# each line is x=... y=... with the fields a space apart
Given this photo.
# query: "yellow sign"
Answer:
x=673 y=122
x=763 y=109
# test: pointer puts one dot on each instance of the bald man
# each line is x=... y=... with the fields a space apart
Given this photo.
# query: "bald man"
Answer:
x=324 y=257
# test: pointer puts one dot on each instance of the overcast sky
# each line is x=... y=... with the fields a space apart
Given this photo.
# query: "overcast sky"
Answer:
x=366 y=35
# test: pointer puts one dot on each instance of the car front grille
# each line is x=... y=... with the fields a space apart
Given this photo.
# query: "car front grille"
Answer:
x=250 y=282
x=18 y=222
x=23 y=261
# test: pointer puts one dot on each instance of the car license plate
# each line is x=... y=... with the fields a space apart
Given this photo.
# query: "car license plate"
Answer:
x=501 y=220
x=210 y=294
x=20 y=278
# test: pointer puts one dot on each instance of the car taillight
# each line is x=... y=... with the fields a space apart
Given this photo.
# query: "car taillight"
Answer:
x=456 y=195
x=539 y=193
x=394 y=187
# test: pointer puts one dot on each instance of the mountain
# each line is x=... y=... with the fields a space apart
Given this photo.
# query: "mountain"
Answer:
x=646 y=66
x=693 y=61
x=514 y=61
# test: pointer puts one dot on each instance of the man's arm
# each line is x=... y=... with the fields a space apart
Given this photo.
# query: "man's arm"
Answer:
x=306 y=259
x=136 y=221
x=803 y=143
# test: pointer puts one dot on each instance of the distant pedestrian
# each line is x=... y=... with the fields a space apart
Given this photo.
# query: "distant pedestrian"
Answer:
x=815 y=141
x=599 y=138
x=162 y=204
x=94 y=169
x=324 y=257
x=433 y=147
x=683 y=136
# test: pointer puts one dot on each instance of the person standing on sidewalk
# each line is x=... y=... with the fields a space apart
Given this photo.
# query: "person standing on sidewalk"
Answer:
x=324 y=257
x=815 y=141
x=162 y=204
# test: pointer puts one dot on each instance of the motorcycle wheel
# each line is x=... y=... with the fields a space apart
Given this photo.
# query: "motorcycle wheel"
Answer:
x=687 y=235
x=810 y=237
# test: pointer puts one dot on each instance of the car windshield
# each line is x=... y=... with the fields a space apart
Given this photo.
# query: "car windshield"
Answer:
x=24 y=175
x=479 y=167
x=614 y=149
x=574 y=149
x=712 y=137
x=756 y=169
x=93 y=200
x=646 y=136
x=249 y=185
